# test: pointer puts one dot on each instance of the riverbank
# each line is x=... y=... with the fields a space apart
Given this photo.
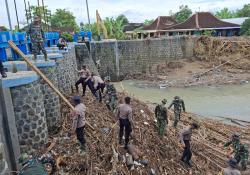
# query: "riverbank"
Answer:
x=195 y=73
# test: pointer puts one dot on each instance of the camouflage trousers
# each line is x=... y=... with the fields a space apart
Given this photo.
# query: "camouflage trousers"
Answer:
x=161 y=125
x=111 y=103
x=37 y=47
x=242 y=160
x=177 y=116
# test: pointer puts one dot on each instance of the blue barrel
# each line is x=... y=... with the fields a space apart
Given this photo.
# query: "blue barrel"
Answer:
x=4 y=38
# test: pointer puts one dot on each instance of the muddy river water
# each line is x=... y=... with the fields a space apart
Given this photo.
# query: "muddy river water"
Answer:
x=227 y=101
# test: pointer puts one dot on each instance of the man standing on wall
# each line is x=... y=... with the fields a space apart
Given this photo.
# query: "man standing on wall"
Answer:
x=185 y=138
x=4 y=75
x=161 y=115
x=124 y=114
x=37 y=38
x=79 y=121
x=85 y=80
x=178 y=106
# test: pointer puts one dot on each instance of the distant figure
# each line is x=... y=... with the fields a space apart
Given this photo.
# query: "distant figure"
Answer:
x=79 y=121
x=161 y=115
x=110 y=95
x=231 y=169
x=185 y=138
x=37 y=38
x=124 y=114
x=85 y=80
x=240 y=151
x=99 y=86
x=61 y=43
x=178 y=106
x=4 y=75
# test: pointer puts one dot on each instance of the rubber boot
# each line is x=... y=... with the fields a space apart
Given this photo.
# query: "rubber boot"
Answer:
x=46 y=57
x=4 y=75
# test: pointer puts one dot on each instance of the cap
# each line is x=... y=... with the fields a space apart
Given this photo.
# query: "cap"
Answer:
x=77 y=99
x=164 y=101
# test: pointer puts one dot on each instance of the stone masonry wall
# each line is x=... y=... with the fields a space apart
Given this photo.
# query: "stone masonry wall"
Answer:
x=28 y=102
x=51 y=99
x=3 y=162
x=120 y=58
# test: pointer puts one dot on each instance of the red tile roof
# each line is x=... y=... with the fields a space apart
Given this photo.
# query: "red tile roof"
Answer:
x=160 y=23
x=202 y=20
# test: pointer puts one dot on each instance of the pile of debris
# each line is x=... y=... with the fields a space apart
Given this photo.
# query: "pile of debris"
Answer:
x=147 y=153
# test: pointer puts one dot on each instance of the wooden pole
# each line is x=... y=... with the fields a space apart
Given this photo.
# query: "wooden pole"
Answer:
x=17 y=50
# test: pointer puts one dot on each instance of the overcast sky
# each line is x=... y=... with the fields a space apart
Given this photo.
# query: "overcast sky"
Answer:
x=135 y=10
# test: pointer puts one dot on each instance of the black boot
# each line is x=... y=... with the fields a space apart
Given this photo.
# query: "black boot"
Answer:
x=4 y=75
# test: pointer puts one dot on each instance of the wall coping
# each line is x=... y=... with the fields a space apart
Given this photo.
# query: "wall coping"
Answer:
x=20 y=65
x=43 y=63
x=19 y=79
x=53 y=56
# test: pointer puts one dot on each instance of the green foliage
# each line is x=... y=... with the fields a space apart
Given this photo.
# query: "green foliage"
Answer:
x=67 y=36
x=122 y=18
x=225 y=13
x=3 y=28
x=244 y=12
x=114 y=27
x=93 y=28
x=148 y=21
x=64 y=19
x=208 y=32
x=183 y=14
x=245 y=28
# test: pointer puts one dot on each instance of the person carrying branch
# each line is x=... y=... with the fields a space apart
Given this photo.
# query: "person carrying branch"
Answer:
x=185 y=138
x=124 y=114
x=78 y=125
x=161 y=115
x=85 y=80
x=178 y=106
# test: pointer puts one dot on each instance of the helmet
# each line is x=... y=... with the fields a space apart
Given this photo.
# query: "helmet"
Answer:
x=77 y=99
x=177 y=97
x=232 y=162
x=236 y=136
x=164 y=101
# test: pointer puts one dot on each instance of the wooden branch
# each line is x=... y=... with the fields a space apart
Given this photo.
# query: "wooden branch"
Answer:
x=17 y=50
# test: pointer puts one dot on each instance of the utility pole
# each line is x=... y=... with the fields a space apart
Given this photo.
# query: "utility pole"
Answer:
x=44 y=15
x=26 y=12
x=8 y=13
x=87 y=5
x=18 y=27
x=30 y=12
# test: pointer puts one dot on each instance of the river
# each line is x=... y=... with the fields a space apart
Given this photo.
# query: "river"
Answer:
x=227 y=101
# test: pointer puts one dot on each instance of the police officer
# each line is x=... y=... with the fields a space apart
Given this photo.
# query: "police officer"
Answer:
x=37 y=38
x=4 y=75
x=98 y=86
x=110 y=94
x=124 y=114
x=162 y=117
x=178 y=106
x=79 y=121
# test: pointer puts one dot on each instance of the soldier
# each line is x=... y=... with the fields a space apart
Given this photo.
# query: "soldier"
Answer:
x=231 y=169
x=2 y=70
x=37 y=38
x=162 y=117
x=110 y=94
x=178 y=105
x=240 y=150
x=79 y=121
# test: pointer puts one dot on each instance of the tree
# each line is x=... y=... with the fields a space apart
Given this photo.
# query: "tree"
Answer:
x=225 y=13
x=148 y=21
x=64 y=19
x=122 y=18
x=183 y=14
x=245 y=28
x=244 y=12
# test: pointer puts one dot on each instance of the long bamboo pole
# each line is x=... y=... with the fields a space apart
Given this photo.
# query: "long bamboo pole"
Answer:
x=17 y=50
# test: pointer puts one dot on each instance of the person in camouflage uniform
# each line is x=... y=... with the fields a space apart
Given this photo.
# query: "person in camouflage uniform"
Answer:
x=240 y=150
x=162 y=117
x=37 y=38
x=110 y=95
x=178 y=106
